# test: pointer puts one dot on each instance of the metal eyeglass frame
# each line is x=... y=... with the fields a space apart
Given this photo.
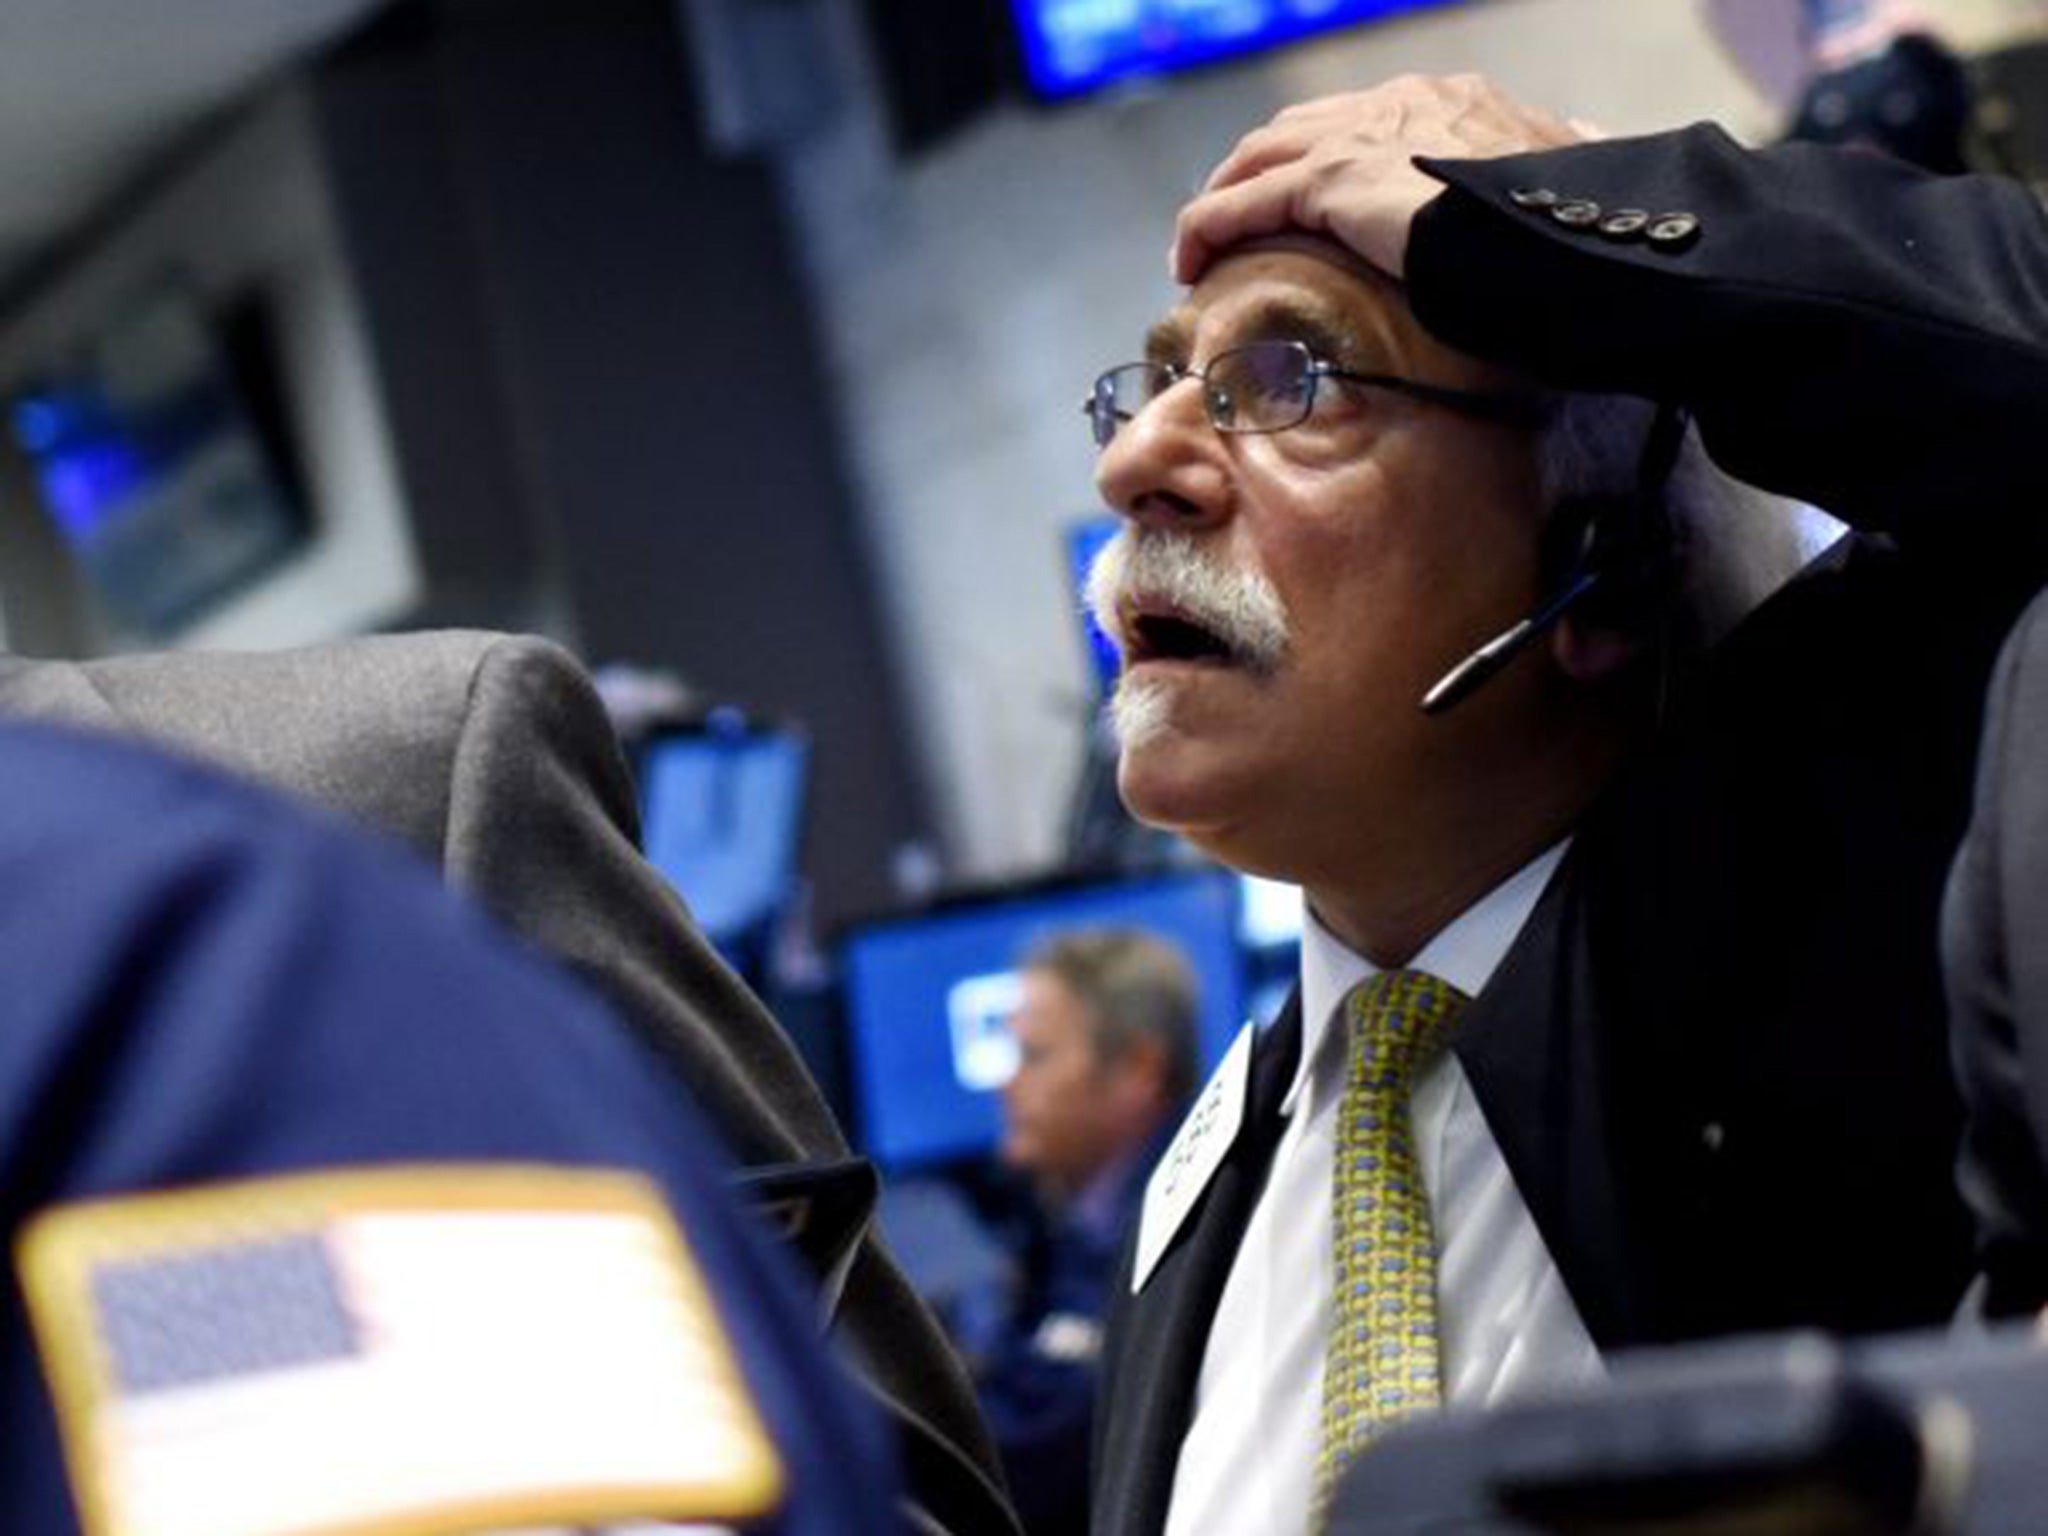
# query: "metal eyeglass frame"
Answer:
x=1487 y=405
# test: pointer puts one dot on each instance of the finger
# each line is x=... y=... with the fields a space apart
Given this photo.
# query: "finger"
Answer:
x=1291 y=133
x=1368 y=208
x=1228 y=216
x=1531 y=127
x=1264 y=149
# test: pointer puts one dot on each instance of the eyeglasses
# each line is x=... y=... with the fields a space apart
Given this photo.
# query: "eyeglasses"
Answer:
x=1269 y=386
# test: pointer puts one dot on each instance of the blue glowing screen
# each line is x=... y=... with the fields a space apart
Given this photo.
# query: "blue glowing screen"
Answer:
x=150 y=467
x=1084 y=541
x=1075 y=46
x=722 y=810
x=928 y=999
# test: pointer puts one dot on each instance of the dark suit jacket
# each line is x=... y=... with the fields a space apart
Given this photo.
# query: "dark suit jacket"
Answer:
x=491 y=757
x=1714 y=1057
x=203 y=983
x=1040 y=1399
x=1995 y=941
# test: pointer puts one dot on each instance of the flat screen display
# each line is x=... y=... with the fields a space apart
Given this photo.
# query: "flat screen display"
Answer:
x=1085 y=539
x=1072 y=47
x=153 y=469
x=722 y=813
x=1272 y=914
x=929 y=999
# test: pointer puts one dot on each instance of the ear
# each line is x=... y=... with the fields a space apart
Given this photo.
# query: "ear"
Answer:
x=1141 y=1073
x=1591 y=652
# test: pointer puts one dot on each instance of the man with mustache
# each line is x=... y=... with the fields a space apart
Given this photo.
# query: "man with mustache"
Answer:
x=1620 y=1017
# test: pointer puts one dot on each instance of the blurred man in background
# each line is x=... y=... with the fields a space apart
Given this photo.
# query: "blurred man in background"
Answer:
x=1870 y=74
x=1106 y=1061
x=1106 y=1058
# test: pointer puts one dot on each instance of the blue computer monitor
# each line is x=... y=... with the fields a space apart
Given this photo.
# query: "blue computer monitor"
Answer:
x=1085 y=539
x=1074 y=46
x=722 y=813
x=1269 y=928
x=162 y=461
x=1271 y=913
x=928 y=999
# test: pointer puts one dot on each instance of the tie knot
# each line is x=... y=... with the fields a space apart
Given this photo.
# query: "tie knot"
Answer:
x=1398 y=1020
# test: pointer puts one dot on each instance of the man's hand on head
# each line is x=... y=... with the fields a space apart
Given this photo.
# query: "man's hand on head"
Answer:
x=1343 y=167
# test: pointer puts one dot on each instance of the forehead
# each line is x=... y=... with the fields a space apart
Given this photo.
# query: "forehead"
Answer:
x=1346 y=312
x=1051 y=1011
x=1260 y=294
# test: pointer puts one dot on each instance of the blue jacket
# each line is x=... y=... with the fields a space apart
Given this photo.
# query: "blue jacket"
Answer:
x=202 y=983
x=1037 y=1382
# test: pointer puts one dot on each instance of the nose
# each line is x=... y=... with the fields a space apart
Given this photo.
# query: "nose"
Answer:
x=1167 y=466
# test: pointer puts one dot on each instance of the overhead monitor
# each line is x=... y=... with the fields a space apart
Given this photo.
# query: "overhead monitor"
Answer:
x=1071 y=47
x=164 y=473
x=929 y=999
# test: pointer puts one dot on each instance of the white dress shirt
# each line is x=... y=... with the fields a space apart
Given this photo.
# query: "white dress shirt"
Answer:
x=1506 y=1322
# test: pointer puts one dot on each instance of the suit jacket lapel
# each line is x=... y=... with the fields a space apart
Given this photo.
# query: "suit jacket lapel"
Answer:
x=1153 y=1353
x=1536 y=1046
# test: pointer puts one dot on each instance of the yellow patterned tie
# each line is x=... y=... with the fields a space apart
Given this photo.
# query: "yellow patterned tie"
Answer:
x=1383 y=1362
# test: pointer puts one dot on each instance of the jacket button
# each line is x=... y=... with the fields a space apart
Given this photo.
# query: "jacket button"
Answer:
x=1577 y=213
x=1624 y=224
x=1537 y=198
x=1673 y=231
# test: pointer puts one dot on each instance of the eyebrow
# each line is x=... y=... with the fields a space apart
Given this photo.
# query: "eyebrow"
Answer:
x=1313 y=324
x=1316 y=325
x=1166 y=341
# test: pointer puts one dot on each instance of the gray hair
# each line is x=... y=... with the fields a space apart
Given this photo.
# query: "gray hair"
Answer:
x=1733 y=544
x=1135 y=986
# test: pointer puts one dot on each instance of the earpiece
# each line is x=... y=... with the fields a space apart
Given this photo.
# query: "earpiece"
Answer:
x=1606 y=556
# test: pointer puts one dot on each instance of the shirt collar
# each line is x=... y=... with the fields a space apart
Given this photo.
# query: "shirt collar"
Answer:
x=1464 y=953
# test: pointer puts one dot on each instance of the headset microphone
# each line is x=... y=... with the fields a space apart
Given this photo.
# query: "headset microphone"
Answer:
x=1606 y=525
x=1465 y=679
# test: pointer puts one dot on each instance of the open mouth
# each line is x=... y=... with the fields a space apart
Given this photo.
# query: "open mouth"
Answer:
x=1169 y=635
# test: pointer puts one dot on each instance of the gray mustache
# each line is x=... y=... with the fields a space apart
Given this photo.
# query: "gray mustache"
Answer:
x=1241 y=608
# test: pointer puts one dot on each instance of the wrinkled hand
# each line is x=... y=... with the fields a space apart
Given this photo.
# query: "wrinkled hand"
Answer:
x=1341 y=166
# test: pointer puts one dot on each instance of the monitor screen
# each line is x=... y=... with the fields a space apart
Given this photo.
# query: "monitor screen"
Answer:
x=1272 y=913
x=722 y=810
x=1074 y=46
x=153 y=467
x=1085 y=539
x=929 y=998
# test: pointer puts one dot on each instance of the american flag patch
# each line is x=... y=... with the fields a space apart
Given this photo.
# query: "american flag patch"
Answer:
x=230 y=1309
x=407 y=1352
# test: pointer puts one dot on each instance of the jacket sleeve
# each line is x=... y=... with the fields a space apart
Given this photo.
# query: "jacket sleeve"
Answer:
x=1998 y=982
x=230 y=988
x=543 y=829
x=1845 y=330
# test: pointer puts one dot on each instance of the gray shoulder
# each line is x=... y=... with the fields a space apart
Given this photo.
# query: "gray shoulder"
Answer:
x=222 y=694
x=368 y=726
x=2029 y=644
x=2016 y=708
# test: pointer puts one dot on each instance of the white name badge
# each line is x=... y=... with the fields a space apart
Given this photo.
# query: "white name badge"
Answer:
x=1197 y=1151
